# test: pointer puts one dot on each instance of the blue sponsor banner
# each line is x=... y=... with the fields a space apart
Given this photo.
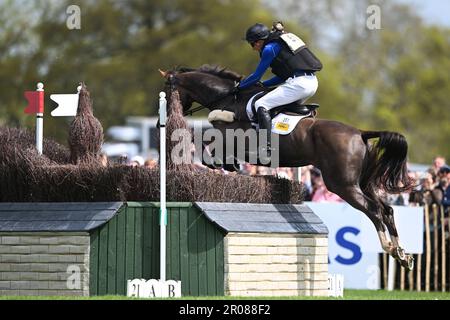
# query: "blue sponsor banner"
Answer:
x=354 y=244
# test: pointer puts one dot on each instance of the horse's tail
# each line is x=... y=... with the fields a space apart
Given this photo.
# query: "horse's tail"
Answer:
x=385 y=164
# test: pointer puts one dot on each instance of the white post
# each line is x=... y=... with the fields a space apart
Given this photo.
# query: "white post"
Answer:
x=162 y=168
x=39 y=124
x=391 y=274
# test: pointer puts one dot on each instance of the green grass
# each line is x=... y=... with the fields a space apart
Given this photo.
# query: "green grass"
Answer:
x=348 y=295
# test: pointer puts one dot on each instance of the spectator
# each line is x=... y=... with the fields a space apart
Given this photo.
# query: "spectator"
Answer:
x=320 y=191
x=285 y=173
x=123 y=158
x=423 y=194
x=137 y=161
x=446 y=198
x=151 y=163
x=402 y=199
x=249 y=169
x=306 y=180
x=443 y=172
x=438 y=162
x=446 y=195
x=263 y=171
x=443 y=188
x=439 y=191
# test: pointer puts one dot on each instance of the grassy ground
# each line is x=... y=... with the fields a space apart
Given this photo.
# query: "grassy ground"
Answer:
x=348 y=295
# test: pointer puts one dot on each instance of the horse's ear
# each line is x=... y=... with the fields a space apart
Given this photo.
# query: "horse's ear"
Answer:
x=164 y=74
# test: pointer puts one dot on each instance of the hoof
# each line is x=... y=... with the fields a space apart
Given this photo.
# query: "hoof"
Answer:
x=410 y=261
x=400 y=252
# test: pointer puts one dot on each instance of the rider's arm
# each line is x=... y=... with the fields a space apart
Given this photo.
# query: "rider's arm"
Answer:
x=272 y=81
x=269 y=53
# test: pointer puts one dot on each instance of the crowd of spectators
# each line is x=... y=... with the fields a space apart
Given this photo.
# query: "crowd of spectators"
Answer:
x=431 y=186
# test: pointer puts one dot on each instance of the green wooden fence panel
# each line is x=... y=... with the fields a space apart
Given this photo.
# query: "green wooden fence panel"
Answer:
x=127 y=247
x=201 y=249
x=112 y=256
x=138 y=242
x=192 y=290
x=93 y=263
x=121 y=257
x=103 y=261
x=184 y=249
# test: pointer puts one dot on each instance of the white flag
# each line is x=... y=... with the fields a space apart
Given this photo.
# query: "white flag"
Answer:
x=67 y=104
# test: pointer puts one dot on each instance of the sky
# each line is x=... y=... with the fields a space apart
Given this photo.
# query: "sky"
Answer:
x=432 y=11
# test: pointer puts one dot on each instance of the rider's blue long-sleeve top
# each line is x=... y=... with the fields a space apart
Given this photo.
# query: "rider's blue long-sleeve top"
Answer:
x=269 y=53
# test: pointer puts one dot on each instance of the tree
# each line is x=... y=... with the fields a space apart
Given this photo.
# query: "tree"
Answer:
x=399 y=77
x=395 y=78
x=119 y=49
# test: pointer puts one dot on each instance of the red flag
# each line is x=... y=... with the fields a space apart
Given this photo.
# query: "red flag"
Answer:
x=35 y=101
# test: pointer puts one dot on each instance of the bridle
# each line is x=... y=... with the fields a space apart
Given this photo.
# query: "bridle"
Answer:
x=171 y=81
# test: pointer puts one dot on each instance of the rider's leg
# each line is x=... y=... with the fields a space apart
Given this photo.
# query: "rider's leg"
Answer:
x=265 y=123
x=294 y=89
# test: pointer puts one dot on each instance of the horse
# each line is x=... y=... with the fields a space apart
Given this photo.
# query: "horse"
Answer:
x=355 y=169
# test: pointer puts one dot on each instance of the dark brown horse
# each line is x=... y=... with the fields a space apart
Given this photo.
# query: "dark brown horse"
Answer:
x=352 y=168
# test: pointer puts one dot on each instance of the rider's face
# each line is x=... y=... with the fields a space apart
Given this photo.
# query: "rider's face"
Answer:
x=257 y=45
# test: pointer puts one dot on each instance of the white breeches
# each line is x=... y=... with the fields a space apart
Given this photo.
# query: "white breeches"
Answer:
x=294 y=89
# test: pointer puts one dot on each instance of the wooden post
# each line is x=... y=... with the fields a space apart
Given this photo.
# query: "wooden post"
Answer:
x=419 y=273
x=392 y=273
x=402 y=279
x=427 y=249
x=443 y=247
x=435 y=248
x=411 y=278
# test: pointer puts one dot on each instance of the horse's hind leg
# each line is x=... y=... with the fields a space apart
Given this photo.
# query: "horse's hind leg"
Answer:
x=380 y=214
x=406 y=260
x=388 y=219
x=357 y=199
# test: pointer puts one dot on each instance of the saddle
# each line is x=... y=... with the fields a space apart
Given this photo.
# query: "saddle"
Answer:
x=294 y=108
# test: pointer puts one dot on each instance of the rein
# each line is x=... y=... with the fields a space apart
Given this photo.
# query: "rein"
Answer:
x=190 y=112
x=201 y=107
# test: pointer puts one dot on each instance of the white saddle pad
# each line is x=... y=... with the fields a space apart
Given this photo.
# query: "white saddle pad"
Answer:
x=282 y=124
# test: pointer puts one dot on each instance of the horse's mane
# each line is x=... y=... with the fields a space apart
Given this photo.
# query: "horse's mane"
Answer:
x=214 y=70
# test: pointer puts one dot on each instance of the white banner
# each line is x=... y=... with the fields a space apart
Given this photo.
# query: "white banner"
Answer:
x=354 y=244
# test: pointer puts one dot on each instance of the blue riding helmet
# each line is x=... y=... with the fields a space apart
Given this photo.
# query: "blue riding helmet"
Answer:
x=257 y=32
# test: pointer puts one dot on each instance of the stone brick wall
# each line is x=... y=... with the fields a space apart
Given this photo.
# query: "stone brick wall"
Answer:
x=276 y=265
x=44 y=264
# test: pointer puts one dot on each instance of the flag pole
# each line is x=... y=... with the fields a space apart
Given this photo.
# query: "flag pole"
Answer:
x=162 y=172
x=40 y=120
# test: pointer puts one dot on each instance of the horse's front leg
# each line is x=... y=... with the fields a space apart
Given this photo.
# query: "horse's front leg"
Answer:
x=211 y=160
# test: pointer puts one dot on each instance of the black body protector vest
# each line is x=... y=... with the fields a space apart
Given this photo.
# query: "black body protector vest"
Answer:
x=293 y=57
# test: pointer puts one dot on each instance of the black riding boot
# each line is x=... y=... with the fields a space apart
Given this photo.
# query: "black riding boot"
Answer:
x=265 y=122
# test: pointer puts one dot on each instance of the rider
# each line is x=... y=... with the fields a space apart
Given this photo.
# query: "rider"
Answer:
x=292 y=63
